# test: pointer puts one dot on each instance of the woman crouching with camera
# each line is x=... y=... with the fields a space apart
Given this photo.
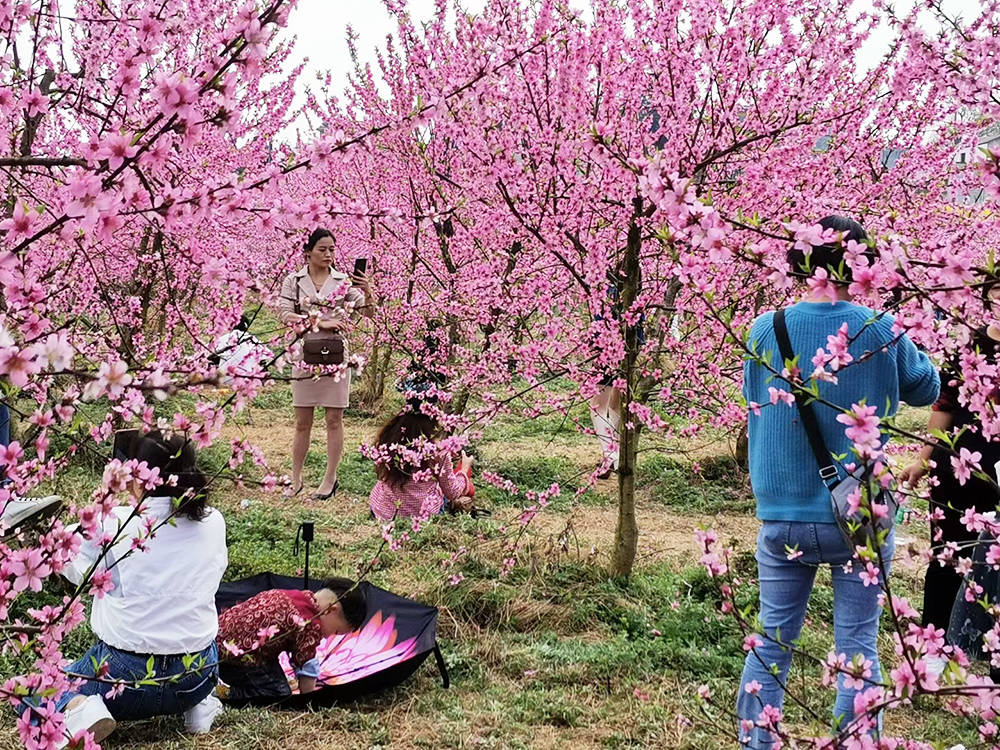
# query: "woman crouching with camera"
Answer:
x=327 y=302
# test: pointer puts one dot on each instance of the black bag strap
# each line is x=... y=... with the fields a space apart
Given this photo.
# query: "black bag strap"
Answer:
x=298 y=305
x=827 y=467
x=445 y=682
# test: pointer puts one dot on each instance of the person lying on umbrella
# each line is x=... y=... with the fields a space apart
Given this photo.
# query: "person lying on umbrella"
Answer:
x=254 y=633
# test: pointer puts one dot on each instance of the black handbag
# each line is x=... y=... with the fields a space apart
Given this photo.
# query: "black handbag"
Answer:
x=859 y=527
x=322 y=347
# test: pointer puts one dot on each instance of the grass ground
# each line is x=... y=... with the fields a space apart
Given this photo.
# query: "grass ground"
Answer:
x=555 y=654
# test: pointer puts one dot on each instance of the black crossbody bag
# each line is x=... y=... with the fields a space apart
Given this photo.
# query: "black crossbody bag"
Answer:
x=859 y=528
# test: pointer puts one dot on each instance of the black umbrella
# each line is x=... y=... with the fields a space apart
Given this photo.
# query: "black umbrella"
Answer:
x=398 y=635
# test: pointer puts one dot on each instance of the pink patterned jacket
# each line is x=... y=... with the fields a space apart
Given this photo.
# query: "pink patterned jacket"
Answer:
x=420 y=497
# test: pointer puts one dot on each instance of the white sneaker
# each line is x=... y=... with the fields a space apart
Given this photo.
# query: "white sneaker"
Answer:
x=91 y=715
x=13 y=513
x=198 y=719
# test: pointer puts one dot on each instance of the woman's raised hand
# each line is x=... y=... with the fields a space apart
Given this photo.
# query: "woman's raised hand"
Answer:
x=363 y=282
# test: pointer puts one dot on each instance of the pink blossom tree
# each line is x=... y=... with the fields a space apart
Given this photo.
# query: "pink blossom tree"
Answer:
x=684 y=148
x=139 y=178
x=553 y=198
x=679 y=156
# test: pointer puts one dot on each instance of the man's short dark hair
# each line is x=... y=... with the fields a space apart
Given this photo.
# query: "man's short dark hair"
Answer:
x=830 y=257
x=352 y=600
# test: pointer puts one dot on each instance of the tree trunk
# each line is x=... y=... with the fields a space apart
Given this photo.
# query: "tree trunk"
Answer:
x=743 y=449
x=627 y=530
x=375 y=376
x=459 y=401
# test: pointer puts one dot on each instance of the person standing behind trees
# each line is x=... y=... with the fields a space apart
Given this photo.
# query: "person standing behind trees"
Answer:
x=798 y=530
x=606 y=404
x=239 y=353
x=949 y=498
x=318 y=286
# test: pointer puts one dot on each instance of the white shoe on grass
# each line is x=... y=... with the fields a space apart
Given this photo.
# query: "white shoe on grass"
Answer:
x=198 y=719
x=13 y=513
x=89 y=714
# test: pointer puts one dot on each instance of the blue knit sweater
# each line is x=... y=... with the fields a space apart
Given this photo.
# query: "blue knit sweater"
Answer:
x=783 y=470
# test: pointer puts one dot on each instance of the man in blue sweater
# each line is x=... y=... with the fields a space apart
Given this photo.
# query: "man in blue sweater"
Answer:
x=865 y=363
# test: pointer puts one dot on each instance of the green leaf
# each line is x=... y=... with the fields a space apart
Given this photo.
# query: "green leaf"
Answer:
x=943 y=437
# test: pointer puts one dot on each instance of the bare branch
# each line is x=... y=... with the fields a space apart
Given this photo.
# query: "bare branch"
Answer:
x=41 y=161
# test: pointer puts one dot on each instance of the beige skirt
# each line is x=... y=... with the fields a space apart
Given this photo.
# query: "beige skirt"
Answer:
x=322 y=391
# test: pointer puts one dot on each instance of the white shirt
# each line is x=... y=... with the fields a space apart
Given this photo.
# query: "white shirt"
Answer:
x=163 y=601
x=240 y=353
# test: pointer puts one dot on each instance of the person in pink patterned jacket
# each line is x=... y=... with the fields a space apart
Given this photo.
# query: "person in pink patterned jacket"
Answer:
x=417 y=477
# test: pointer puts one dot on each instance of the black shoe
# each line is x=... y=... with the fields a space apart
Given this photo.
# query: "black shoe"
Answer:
x=328 y=495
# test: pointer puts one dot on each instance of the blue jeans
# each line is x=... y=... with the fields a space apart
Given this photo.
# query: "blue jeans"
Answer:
x=145 y=701
x=785 y=586
x=4 y=425
x=4 y=435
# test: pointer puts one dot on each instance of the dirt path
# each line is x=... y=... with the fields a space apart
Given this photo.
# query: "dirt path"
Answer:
x=663 y=534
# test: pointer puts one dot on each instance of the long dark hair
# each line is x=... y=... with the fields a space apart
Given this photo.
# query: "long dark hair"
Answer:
x=406 y=428
x=315 y=236
x=174 y=455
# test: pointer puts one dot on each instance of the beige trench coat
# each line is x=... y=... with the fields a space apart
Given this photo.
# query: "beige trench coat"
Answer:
x=336 y=299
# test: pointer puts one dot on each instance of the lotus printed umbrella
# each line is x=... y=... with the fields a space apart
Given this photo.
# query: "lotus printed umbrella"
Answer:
x=344 y=658
x=396 y=638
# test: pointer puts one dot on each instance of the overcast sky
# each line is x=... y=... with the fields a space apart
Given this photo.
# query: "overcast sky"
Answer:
x=320 y=26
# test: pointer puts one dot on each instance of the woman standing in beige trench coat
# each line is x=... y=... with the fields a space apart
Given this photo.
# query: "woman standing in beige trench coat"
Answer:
x=339 y=301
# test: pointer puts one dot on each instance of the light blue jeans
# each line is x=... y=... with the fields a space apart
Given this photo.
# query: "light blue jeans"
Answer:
x=785 y=586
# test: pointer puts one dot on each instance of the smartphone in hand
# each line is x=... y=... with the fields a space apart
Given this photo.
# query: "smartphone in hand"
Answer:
x=360 y=267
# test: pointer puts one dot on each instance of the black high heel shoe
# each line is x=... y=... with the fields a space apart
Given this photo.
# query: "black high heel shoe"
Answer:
x=328 y=495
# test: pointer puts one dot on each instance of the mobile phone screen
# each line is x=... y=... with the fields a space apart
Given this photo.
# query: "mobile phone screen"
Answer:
x=123 y=442
x=360 y=265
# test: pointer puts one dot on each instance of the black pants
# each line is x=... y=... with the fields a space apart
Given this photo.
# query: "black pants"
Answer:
x=941 y=583
x=970 y=621
x=248 y=682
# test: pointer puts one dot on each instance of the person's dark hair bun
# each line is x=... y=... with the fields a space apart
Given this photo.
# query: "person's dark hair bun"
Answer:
x=353 y=602
x=174 y=455
x=315 y=236
x=830 y=257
